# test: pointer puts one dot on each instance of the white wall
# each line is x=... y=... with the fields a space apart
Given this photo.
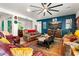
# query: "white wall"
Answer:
x=0 y=23
x=77 y=14
x=26 y=23
x=14 y=27
x=34 y=23
x=3 y=18
x=39 y=27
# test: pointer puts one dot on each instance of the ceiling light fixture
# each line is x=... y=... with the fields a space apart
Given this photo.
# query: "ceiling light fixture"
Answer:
x=45 y=10
x=28 y=10
x=46 y=7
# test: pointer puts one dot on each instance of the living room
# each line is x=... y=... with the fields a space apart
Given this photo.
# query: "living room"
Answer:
x=39 y=29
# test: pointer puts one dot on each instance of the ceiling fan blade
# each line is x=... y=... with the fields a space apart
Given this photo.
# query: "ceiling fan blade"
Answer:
x=53 y=10
x=56 y=6
x=35 y=10
x=35 y=6
x=40 y=12
x=45 y=3
x=49 y=4
x=49 y=12
x=42 y=4
x=44 y=14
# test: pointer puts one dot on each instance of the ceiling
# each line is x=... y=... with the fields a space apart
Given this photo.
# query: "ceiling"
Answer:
x=21 y=8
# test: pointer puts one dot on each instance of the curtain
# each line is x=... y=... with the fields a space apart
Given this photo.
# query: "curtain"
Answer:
x=9 y=26
x=3 y=25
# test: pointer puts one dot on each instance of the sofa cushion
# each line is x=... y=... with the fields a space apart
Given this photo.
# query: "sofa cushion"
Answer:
x=9 y=37
x=4 y=40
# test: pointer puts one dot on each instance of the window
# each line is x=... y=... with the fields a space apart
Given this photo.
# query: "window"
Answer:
x=44 y=25
x=68 y=23
x=54 y=20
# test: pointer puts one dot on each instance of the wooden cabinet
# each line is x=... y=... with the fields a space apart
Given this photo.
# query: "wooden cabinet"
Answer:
x=20 y=33
x=58 y=33
x=56 y=29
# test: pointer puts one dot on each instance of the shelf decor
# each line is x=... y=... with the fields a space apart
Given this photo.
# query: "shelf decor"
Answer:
x=15 y=22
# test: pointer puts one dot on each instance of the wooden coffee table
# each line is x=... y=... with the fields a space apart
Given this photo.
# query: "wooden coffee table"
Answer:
x=56 y=49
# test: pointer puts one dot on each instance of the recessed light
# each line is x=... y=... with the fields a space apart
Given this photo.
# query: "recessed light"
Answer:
x=28 y=10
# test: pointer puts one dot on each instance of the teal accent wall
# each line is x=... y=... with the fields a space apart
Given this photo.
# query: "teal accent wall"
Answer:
x=62 y=19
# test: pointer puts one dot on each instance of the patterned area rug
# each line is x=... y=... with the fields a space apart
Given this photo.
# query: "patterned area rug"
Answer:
x=56 y=49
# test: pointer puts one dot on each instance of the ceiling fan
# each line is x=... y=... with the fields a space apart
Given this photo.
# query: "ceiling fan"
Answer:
x=46 y=8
